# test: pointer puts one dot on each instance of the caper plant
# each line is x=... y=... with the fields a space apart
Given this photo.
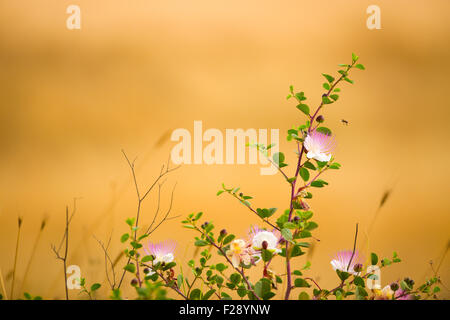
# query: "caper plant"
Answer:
x=288 y=237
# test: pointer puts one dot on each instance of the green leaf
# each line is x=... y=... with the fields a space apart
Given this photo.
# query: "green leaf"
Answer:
x=198 y=216
x=317 y=184
x=354 y=57
x=329 y=78
x=303 y=296
x=326 y=100
x=136 y=245
x=169 y=266
x=265 y=213
x=278 y=158
x=304 y=234
x=296 y=251
x=235 y=278
x=208 y=294
x=324 y=130
x=124 y=237
x=195 y=294
x=301 y=283
x=311 y=226
x=221 y=267
x=335 y=166
x=334 y=96
x=343 y=275
x=300 y=96
x=147 y=259
x=373 y=258
x=241 y=291
x=225 y=296
x=95 y=286
x=287 y=234
x=290 y=225
x=361 y=293
x=180 y=280
x=348 y=80
x=405 y=286
x=262 y=288
x=201 y=243
x=360 y=66
x=303 y=108
x=304 y=173
x=306 y=214
x=130 y=268
x=228 y=239
x=326 y=86
x=309 y=165
x=359 y=282
x=266 y=255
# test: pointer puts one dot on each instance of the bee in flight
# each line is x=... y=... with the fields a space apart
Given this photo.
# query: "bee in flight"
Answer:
x=344 y=122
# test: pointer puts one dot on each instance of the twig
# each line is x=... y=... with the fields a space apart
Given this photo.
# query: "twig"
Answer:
x=2 y=283
x=354 y=247
x=164 y=171
x=15 y=258
x=112 y=283
x=33 y=252
x=63 y=258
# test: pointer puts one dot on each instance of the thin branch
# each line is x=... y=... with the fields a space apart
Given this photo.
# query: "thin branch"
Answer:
x=15 y=258
x=112 y=283
x=63 y=258
x=165 y=169
x=354 y=247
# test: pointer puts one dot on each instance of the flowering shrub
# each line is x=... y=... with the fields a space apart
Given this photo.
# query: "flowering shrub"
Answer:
x=287 y=238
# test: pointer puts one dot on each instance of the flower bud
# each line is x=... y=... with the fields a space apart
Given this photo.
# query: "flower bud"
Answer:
x=134 y=282
x=146 y=270
x=394 y=286
x=282 y=240
x=296 y=218
x=320 y=119
x=265 y=245
x=409 y=282
x=223 y=232
x=241 y=194
x=358 y=267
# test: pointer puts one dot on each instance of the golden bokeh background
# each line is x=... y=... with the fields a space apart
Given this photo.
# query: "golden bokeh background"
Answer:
x=72 y=99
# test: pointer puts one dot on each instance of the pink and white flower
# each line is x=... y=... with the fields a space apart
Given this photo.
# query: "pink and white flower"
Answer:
x=239 y=252
x=319 y=146
x=261 y=237
x=163 y=252
x=342 y=262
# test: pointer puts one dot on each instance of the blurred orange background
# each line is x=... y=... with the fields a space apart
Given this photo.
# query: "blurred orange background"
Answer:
x=137 y=70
